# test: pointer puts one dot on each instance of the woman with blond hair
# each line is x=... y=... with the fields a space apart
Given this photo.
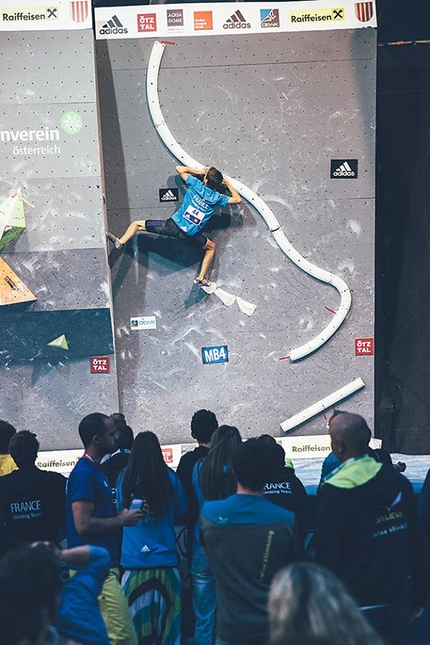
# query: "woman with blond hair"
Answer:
x=308 y=603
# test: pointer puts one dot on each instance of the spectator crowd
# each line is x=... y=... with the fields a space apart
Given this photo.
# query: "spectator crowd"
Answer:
x=94 y=560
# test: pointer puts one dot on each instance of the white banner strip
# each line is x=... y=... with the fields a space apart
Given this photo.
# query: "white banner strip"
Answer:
x=228 y=18
x=305 y=447
x=313 y=446
x=36 y=15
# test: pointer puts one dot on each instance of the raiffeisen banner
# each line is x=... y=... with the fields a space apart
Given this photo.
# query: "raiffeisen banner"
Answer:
x=227 y=18
x=33 y=15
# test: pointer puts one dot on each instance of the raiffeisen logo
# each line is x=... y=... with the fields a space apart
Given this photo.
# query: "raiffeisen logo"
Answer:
x=42 y=141
x=29 y=14
x=317 y=15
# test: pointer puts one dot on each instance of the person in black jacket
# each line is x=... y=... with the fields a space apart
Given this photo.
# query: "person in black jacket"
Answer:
x=369 y=533
x=112 y=465
x=283 y=487
x=203 y=425
x=31 y=500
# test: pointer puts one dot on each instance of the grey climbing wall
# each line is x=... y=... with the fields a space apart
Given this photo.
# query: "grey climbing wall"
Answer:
x=50 y=151
x=276 y=111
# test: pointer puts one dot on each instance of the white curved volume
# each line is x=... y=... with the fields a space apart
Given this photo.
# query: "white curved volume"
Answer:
x=256 y=201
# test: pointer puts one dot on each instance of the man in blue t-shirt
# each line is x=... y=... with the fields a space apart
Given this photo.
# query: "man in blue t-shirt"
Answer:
x=200 y=202
x=91 y=519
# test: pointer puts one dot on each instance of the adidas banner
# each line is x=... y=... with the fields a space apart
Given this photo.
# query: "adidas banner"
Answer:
x=226 y=18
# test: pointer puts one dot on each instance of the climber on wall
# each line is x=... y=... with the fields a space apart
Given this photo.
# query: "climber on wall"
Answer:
x=200 y=202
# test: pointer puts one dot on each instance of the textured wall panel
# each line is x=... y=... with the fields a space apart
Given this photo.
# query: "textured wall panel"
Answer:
x=49 y=149
x=40 y=393
x=29 y=334
x=67 y=214
x=56 y=67
x=59 y=278
x=42 y=141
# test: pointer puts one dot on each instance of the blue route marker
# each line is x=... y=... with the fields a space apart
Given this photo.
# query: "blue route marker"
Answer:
x=215 y=354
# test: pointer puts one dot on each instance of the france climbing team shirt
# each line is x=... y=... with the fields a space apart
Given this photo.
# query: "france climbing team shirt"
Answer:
x=200 y=203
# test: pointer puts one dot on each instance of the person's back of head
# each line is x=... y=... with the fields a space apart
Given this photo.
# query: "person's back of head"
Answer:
x=306 y=600
x=203 y=425
x=253 y=463
x=214 y=178
x=7 y=430
x=224 y=441
x=146 y=475
x=119 y=419
x=29 y=588
x=91 y=425
x=350 y=435
x=334 y=415
x=24 y=447
x=146 y=452
x=278 y=451
x=216 y=476
x=125 y=438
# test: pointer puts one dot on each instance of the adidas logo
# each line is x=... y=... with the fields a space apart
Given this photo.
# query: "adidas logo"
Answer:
x=145 y=549
x=113 y=26
x=168 y=194
x=344 y=169
x=169 y=197
x=237 y=21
